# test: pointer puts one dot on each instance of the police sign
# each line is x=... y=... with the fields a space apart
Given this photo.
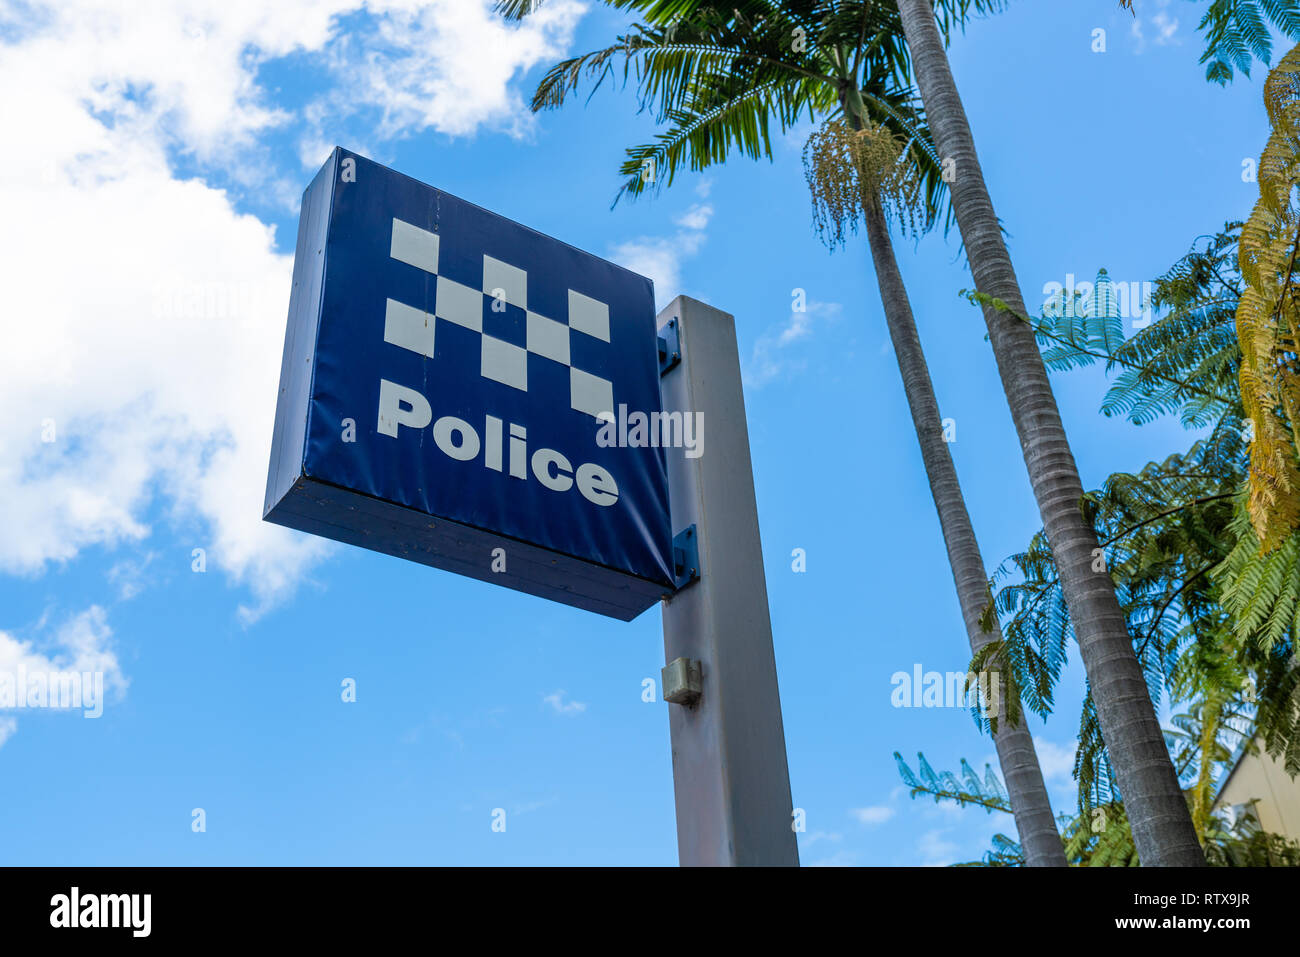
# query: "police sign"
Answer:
x=446 y=373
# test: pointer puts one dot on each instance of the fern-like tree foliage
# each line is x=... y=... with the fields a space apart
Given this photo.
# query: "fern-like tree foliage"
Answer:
x=1189 y=364
x=1268 y=318
x=1099 y=836
x=1213 y=622
x=969 y=789
x=1212 y=619
x=1237 y=33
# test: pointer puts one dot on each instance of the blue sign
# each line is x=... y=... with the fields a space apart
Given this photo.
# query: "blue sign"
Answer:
x=446 y=378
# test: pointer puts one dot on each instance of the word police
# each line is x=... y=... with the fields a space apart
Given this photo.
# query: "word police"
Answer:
x=456 y=438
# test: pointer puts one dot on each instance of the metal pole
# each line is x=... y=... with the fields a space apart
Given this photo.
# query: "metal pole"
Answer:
x=730 y=777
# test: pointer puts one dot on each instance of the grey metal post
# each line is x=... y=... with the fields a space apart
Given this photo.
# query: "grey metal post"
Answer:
x=730 y=777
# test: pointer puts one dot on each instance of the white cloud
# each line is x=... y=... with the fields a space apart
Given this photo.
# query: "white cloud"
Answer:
x=697 y=217
x=838 y=859
x=872 y=815
x=771 y=357
x=1056 y=761
x=1166 y=28
x=83 y=643
x=660 y=258
x=529 y=806
x=139 y=397
x=188 y=63
x=1057 y=764
x=556 y=701
x=656 y=258
x=447 y=65
x=934 y=850
x=800 y=324
x=815 y=837
x=147 y=312
x=129 y=575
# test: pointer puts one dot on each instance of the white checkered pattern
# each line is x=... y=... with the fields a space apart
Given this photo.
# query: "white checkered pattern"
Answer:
x=502 y=361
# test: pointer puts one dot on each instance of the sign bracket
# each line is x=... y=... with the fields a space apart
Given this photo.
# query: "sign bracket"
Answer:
x=686 y=557
x=670 y=347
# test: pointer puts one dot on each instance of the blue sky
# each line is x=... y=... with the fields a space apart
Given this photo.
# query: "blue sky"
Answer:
x=154 y=161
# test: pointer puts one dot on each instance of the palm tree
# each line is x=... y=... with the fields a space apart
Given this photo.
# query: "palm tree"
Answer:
x=1039 y=838
x=721 y=73
x=1208 y=610
x=1162 y=827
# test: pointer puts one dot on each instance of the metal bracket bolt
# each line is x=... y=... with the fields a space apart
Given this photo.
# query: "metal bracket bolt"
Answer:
x=670 y=347
x=686 y=557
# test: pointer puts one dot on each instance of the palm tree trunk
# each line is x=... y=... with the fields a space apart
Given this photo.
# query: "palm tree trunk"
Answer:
x=1039 y=839
x=1157 y=811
